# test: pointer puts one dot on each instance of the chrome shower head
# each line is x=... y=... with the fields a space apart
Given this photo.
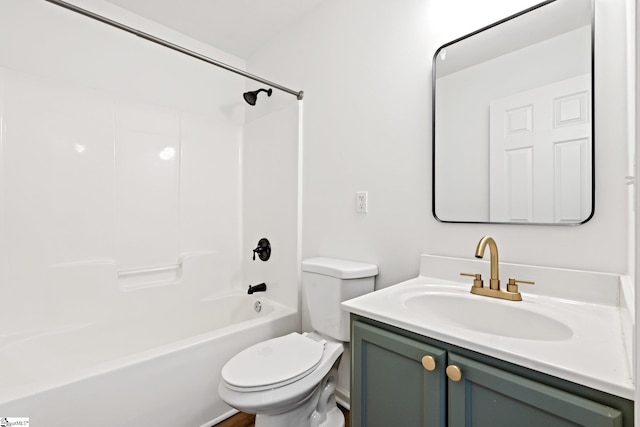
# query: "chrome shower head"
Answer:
x=251 y=97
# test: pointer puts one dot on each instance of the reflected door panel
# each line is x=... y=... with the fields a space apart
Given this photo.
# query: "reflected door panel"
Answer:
x=540 y=145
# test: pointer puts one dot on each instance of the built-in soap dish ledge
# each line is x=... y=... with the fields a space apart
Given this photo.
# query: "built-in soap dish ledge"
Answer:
x=141 y=278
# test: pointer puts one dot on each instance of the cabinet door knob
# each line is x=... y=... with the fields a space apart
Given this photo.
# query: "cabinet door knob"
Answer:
x=429 y=363
x=454 y=373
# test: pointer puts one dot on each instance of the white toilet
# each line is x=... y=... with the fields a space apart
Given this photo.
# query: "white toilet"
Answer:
x=290 y=381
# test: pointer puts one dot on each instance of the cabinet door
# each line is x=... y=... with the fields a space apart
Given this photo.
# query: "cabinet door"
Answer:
x=389 y=384
x=487 y=396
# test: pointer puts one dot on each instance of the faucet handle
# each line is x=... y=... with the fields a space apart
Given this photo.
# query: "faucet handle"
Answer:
x=512 y=284
x=477 y=279
x=263 y=250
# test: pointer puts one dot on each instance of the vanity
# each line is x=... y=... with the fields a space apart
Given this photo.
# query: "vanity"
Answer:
x=428 y=352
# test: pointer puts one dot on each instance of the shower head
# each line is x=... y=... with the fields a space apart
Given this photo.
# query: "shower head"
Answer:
x=251 y=97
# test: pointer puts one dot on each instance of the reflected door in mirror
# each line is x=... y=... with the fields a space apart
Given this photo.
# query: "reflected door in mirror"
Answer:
x=540 y=154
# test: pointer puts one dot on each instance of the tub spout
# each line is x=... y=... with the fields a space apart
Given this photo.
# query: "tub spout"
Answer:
x=257 y=288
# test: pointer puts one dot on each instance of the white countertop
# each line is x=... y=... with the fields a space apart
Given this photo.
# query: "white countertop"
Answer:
x=594 y=355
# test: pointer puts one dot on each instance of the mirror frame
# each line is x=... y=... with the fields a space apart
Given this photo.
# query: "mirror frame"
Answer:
x=593 y=117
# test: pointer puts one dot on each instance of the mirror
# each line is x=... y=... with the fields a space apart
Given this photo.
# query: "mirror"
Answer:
x=513 y=120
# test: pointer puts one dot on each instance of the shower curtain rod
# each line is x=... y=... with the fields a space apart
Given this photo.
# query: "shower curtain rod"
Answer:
x=298 y=94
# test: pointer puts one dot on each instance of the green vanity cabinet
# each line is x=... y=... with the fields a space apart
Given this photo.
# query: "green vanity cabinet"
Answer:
x=488 y=396
x=391 y=387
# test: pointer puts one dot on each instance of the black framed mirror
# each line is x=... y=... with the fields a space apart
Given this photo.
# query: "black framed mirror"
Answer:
x=513 y=119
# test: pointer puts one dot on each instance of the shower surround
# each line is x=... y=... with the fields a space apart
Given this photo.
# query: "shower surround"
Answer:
x=132 y=192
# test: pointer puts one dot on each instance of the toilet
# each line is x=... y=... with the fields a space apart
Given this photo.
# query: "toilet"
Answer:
x=290 y=381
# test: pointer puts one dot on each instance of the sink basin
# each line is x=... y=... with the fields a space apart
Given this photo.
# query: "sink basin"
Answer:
x=487 y=315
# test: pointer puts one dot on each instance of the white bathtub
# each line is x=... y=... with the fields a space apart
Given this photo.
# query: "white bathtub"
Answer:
x=157 y=370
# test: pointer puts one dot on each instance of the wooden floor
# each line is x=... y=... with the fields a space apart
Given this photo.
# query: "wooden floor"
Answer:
x=248 y=420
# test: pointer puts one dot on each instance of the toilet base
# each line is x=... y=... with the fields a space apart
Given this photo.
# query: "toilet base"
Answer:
x=319 y=409
x=335 y=418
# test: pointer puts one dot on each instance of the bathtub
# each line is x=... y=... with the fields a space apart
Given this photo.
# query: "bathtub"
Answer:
x=157 y=370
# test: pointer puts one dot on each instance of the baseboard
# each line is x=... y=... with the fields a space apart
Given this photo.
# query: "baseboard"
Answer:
x=221 y=418
x=343 y=398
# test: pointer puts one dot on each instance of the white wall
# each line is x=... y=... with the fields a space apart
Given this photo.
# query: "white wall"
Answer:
x=634 y=70
x=365 y=68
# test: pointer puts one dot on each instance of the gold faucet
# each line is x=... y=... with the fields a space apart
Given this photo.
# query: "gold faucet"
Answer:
x=511 y=293
x=494 y=282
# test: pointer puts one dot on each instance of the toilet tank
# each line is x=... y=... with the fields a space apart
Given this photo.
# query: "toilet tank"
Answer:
x=329 y=281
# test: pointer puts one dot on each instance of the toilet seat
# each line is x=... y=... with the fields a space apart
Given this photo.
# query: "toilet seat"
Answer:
x=273 y=363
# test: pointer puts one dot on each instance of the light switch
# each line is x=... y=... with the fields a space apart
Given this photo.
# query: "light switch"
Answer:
x=362 y=202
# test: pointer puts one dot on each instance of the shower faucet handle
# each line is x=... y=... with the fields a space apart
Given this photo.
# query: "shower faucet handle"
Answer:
x=263 y=250
x=258 y=251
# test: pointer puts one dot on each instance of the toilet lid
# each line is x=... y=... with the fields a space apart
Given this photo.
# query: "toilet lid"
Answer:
x=273 y=363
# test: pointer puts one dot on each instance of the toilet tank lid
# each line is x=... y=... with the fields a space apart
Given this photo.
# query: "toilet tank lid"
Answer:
x=339 y=268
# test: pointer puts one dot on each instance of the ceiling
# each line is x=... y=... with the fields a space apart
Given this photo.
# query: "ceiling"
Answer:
x=238 y=27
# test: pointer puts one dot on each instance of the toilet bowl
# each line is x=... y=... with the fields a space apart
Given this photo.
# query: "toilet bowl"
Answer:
x=284 y=380
x=290 y=381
